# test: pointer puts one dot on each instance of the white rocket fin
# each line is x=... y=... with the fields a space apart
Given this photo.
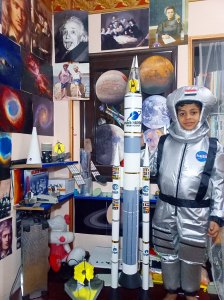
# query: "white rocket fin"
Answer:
x=116 y=162
x=146 y=156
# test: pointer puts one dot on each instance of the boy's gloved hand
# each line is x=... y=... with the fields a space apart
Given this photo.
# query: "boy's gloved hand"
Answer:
x=213 y=229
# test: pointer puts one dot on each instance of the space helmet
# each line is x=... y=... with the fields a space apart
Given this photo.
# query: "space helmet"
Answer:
x=192 y=93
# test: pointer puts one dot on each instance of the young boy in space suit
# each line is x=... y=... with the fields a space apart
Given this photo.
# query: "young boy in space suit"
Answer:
x=190 y=206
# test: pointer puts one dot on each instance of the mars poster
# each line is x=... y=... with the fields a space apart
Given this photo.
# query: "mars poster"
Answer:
x=15 y=111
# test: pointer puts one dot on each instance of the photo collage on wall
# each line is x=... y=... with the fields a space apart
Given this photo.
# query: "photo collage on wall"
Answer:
x=71 y=48
x=26 y=86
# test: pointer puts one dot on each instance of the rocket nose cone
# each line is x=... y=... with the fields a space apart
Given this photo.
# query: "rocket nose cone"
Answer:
x=134 y=62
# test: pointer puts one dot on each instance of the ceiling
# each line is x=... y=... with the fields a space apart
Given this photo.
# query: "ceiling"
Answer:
x=95 y=6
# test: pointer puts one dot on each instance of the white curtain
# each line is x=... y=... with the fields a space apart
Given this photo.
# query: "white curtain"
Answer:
x=210 y=73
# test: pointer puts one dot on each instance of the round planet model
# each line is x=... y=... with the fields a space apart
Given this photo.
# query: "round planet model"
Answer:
x=111 y=87
x=156 y=74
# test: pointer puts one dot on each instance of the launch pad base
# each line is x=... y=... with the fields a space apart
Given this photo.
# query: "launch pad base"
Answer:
x=130 y=281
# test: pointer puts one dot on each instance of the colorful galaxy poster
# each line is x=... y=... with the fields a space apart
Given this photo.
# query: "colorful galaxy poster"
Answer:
x=37 y=77
x=43 y=115
x=15 y=111
x=5 y=155
x=10 y=63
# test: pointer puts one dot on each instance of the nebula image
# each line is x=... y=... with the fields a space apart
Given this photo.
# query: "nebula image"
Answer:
x=15 y=111
x=5 y=149
x=37 y=76
x=43 y=115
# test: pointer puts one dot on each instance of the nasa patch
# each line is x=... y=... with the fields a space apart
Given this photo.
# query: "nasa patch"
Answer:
x=201 y=156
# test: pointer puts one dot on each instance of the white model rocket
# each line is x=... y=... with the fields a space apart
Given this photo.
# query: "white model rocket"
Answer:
x=132 y=177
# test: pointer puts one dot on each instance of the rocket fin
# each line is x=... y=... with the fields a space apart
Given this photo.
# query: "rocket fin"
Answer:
x=116 y=162
x=146 y=157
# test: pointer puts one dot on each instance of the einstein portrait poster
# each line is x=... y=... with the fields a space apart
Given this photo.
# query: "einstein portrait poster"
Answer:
x=71 y=36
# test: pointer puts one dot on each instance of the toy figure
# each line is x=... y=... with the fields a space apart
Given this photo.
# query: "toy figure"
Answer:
x=190 y=208
x=59 y=239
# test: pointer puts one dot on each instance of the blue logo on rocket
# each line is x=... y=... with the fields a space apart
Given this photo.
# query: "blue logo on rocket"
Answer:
x=115 y=186
x=134 y=115
x=145 y=189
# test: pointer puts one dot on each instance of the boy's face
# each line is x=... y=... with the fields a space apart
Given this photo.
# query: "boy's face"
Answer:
x=188 y=116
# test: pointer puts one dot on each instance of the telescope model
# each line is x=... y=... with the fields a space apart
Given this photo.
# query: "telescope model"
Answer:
x=132 y=177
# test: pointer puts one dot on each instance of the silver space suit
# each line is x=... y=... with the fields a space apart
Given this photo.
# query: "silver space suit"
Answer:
x=180 y=223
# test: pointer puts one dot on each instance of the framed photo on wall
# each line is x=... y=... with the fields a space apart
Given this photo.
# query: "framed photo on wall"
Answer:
x=102 y=117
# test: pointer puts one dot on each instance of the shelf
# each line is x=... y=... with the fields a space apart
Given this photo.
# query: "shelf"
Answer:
x=43 y=206
x=44 y=165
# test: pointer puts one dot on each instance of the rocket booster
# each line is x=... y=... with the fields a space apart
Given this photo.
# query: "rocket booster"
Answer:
x=116 y=176
x=145 y=220
x=130 y=276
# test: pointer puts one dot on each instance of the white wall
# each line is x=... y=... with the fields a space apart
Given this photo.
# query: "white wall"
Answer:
x=205 y=17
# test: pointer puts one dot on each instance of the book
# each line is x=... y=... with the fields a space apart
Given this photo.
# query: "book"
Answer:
x=36 y=182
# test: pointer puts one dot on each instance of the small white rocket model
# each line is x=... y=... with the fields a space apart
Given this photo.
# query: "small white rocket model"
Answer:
x=131 y=178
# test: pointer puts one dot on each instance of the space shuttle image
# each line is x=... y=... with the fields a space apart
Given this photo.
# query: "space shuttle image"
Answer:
x=132 y=177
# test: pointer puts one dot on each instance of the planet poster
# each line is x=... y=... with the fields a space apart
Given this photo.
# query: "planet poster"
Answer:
x=156 y=75
x=155 y=112
x=111 y=87
x=37 y=77
x=15 y=110
x=10 y=63
x=43 y=115
x=94 y=216
x=108 y=136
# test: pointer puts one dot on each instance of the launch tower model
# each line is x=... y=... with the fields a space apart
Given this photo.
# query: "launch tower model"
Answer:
x=132 y=177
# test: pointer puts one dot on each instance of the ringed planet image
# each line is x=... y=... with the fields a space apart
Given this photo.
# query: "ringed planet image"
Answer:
x=15 y=111
x=5 y=149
